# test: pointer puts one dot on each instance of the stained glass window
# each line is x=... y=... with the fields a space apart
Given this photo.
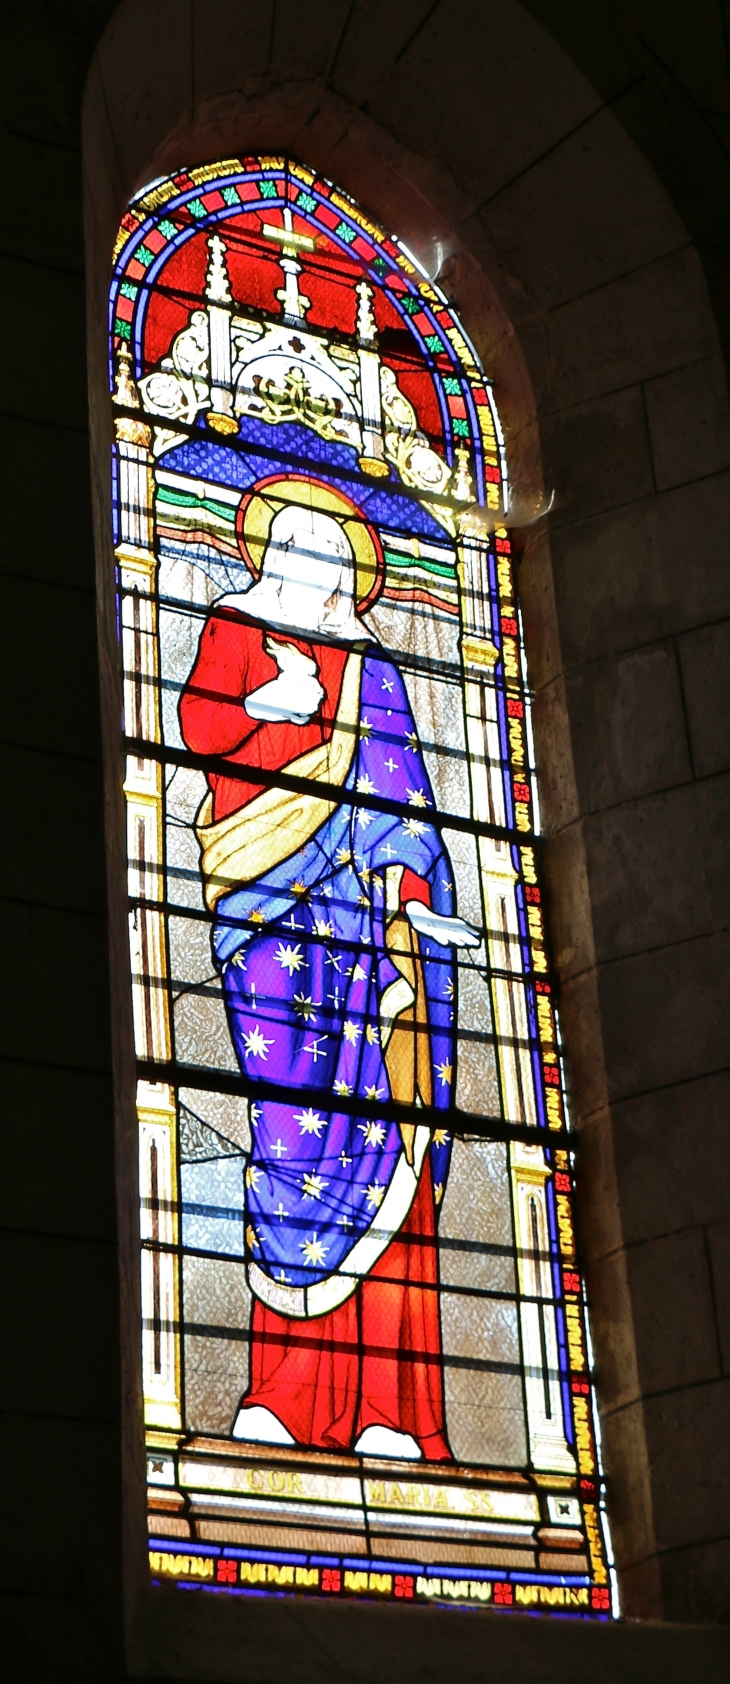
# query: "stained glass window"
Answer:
x=366 y=1357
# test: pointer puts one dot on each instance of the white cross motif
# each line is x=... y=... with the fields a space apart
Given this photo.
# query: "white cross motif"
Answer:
x=385 y=848
x=391 y=764
x=314 y=1047
x=278 y=1148
x=280 y=1211
x=387 y=684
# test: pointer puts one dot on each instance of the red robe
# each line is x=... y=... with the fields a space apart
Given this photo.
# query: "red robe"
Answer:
x=232 y=662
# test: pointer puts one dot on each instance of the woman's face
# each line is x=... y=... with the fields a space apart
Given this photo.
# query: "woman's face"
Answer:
x=308 y=563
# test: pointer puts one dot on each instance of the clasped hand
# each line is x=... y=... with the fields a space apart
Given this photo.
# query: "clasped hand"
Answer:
x=295 y=695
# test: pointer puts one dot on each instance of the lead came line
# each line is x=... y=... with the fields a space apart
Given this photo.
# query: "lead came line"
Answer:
x=155 y=1225
x=540 y=1309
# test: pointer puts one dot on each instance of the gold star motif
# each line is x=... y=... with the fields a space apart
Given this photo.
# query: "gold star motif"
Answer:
x=290 y=958
x=257 y=916
x=322 y=927
x=375 y=1195
x=298 y=888
x=358 y=974
x=256 y=1044
x=440 y=1137
x=411 y=742
x=413 y=827
x=304 y=1008
x=252 y=1240
x=314 y=1251
x=351 y=1032
x=374 y=1133
x=365 y=785
x=374 y=1093
x=310 y=1122
x=253 y=1176
x=417 y=798
x=438 y=1192
x=312 y=1185
x=365 y=728
x=341 y=1088
x=343 y=856
x=449 y=989
x=371 y=1035
x=445 y=1073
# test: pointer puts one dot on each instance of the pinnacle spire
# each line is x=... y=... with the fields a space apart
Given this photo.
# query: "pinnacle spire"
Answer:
x=217 y=287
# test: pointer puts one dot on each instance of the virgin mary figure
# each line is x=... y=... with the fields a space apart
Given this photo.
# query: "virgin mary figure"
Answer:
x=333 y=930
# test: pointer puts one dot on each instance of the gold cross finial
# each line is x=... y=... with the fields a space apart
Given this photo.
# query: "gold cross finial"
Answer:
x=290 y=242
x=294 y=302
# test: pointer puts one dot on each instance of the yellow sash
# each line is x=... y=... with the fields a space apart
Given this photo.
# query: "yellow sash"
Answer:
x=278 y=822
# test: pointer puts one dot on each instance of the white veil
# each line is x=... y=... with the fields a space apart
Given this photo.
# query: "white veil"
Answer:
x=307 y=581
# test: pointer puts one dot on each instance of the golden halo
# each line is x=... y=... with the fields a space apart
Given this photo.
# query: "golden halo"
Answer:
x=258 y=507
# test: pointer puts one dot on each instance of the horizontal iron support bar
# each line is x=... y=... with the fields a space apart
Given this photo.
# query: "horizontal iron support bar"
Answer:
x=248 y=1087
x=141 y=749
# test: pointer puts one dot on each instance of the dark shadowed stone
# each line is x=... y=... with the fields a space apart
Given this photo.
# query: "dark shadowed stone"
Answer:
x=685 y=1130
x=673 y=1312
x=705 y=662
x=627 y=727
x=657 y=868
x=687 y=412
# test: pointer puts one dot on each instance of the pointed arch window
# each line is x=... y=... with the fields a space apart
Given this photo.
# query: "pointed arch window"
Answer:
x=365 y=1349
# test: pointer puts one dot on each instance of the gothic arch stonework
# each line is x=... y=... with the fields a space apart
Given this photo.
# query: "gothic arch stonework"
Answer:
x=496 y=162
